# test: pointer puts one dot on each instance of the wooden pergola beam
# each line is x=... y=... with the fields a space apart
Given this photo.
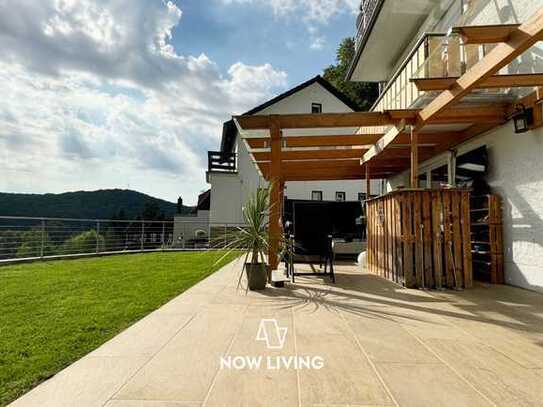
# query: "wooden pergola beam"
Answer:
x=403 y=153
x=479 y=113
x=486 y=34
x=318 y=141
x=332 y=177
x=313 y=154
x=494 y=82
x=387 y=139
x=452 y=114
x=310 y=165
x=313 y=121
x=336 y=176
x=519 y=40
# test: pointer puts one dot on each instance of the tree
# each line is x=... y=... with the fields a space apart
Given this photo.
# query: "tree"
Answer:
x=85 y=242
x=31 y=243
x=363 y=94
x=151 y=211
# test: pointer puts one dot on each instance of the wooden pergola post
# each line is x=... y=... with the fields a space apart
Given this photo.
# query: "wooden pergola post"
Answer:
x=275 y=194
x=414 y=157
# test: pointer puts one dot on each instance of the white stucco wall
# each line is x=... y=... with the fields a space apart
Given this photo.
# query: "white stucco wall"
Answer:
x=302 y=190
x=229 y=192
x=185 y=228
x=301 y=101
x=226 y=198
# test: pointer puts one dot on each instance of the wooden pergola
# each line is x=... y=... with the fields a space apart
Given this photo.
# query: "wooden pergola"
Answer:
x=377 y=145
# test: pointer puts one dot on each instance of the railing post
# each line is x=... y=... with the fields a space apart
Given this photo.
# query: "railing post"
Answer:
x=42 y=238
x=142 y=235
x=97 y=236
x=224 y=236
x=163 y=231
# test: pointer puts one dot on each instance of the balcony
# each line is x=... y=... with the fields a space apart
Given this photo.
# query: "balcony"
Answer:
x=384 y=30
x=436 y=57
x=424 y=59
x=368 y=11
x=222 y=162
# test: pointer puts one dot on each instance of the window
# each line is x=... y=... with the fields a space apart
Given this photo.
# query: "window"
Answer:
x=340 y=196
x=361 y=196
x=316 y=196
x=316 y=108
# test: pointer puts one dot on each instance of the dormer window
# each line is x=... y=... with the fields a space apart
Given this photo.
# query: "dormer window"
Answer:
x=316 y=108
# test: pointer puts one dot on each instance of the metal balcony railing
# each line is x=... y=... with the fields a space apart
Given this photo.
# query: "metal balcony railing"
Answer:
x=28 y=238
x=368 y=12
x=222 y=162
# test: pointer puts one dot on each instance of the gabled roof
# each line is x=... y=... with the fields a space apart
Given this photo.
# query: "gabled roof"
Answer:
x=229 y=128
x=317 y=79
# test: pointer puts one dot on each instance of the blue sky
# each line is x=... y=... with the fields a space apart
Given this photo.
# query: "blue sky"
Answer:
x=115 y=94
x=252 y=33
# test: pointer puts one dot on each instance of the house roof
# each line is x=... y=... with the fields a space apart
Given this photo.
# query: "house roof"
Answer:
x=229 y=128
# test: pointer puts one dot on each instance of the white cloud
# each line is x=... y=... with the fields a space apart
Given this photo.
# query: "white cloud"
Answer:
x=311 y=10
x=317 y=43
x=96 y=96
x=313 y=13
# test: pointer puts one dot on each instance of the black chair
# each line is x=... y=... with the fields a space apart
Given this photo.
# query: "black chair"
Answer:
x=310 y=237
x=315 y=247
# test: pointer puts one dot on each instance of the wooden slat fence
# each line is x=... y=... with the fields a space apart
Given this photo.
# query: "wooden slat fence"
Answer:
x=421 y=238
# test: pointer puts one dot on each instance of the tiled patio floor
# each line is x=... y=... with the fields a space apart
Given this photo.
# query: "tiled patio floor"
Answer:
x=381 y=345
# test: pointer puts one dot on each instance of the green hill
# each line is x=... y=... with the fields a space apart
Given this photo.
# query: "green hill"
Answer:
x=103 y=204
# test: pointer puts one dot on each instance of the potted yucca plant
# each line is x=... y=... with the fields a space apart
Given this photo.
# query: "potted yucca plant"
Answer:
x=252 y=239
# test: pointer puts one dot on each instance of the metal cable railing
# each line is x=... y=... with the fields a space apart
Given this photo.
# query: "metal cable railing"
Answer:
x=27 y=238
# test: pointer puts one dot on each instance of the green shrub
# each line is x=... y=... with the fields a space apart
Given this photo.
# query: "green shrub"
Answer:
x=86 y=242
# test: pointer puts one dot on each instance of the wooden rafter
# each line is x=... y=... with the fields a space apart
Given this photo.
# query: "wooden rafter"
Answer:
x=318 y=141
x=313 y=154
x=425 y=153
x=519 y=40
x=494 y=82
x=308 y=121
x=486 y=34
x=310 y=165
x=387 y=139
x=336 y=177
x=361 y=119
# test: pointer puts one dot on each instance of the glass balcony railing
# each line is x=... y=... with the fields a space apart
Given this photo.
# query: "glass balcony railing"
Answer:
x=440 y=56
x=400 y=92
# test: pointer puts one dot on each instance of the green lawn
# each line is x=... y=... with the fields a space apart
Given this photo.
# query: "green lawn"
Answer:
x=53 y=313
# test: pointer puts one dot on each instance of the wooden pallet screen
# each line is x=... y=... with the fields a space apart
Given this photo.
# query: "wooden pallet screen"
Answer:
x=421 y=238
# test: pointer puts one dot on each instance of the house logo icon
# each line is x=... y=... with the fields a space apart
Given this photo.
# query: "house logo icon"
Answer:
x=270 y=332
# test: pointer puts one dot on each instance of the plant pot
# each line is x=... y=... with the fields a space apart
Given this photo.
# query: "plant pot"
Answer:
x=256 y=275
